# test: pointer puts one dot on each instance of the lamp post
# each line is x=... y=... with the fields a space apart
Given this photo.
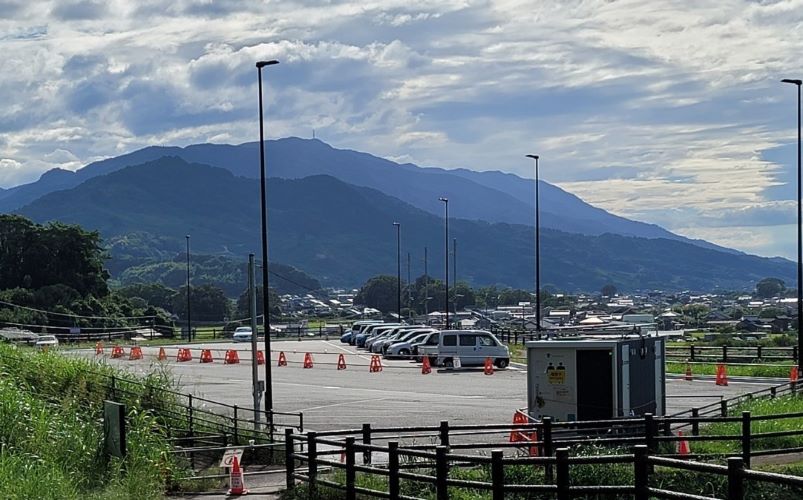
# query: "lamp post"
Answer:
x=398 y=269
x=426 y=286
x=446 y=254
x=189 y=328
x=537 y=251
x=265 y=283
x=799 y=235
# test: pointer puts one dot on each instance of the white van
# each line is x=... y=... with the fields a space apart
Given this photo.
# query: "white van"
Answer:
x=472 y=347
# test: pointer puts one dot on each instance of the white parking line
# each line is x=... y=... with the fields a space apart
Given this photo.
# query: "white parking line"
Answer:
x=373 y=400
x=346 y=350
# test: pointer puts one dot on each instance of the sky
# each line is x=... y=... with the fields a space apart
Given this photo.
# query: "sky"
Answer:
x=669 y=112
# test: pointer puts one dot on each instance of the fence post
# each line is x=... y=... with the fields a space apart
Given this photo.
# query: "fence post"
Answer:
x=691 y=352
x=444 y=433
x=724 y=354
x=695 y=426
x=547 y=445
x=441 y=473
x=497 y=475
x=723 y=408
x=735 y=483
x=516 y=341
x=758 y=352
x=393 y=469
x=649 y=431
x=746 y=438
x=772 y=392
x=289 y=461
x=113 y=388
x=312 y=464
x=351 y=474
x=189 y=413
x=794 y=353
x=641 y=471
x=366 y=439
x=236 y=426
x=562 y=469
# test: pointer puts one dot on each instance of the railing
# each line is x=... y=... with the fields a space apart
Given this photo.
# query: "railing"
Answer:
x=730 y=353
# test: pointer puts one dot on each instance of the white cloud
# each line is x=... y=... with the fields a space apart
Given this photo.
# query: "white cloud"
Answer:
x=658 y=111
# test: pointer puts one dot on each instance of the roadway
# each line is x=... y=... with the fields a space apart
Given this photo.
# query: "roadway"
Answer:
x=399 y=395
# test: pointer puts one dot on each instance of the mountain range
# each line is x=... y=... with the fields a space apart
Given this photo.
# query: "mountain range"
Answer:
x=342 y=233
x=490 y=196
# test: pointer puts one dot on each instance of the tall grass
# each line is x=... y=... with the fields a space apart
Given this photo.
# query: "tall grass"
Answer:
x=51 y=433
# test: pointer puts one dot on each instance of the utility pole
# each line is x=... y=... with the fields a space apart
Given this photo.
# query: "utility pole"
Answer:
x=252 y=300
x=409 y=289
x=426 y=286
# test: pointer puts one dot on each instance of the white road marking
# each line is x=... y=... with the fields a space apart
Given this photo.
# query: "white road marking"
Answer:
x=373 y=400
x=390 y=392
x=346 y=350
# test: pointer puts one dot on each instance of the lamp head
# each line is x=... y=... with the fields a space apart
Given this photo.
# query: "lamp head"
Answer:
x=534 y=157
x=789 y=80
x=397 y=223
x=262 y=64
x=444 y=199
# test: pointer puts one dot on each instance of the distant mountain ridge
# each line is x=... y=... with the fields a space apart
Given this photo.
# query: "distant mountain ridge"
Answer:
x=491 y=196
x=342 y=234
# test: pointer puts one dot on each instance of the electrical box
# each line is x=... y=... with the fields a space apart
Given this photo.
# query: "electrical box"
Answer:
x=596 y=378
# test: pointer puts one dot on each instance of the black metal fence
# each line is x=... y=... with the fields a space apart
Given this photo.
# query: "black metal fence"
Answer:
x=726 y=353
x=449 y=447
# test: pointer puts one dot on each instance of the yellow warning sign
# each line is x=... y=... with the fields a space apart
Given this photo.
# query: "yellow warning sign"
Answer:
x=556 y=376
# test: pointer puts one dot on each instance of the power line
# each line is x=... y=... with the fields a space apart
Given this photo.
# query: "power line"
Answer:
x=72 y=315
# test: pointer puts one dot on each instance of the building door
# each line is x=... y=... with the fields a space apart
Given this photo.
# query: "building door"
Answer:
x=594 y=384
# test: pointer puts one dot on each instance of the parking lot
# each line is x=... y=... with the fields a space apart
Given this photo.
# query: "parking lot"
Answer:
x=399 y=395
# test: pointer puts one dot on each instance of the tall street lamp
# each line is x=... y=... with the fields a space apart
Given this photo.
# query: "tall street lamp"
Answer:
x=189 y=329
x=799 y=236
x=446 y=253
x=398 y=269
x=537 y=251
x=264 y=215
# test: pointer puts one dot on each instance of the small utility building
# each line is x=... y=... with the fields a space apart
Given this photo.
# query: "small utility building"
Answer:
x=596 y=378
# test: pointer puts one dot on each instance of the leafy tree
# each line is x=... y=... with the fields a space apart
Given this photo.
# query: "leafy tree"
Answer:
x=379 y=292
x=512 y=297
x=244 y=306
x=770 y=287
x=154 y=294
x=207 y=302
x=608 y=290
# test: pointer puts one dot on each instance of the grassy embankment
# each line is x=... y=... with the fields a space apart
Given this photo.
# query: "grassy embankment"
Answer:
x=51 y=431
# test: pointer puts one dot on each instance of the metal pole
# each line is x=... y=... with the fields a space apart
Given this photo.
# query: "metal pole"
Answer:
x=454 y=265
x=409 y=289
x=799 y=234
x=537 y=250
x=265 y=282
x=252 y=301
x=446 y=252
x=426 y=286
x=189 y=317
x=398 y=270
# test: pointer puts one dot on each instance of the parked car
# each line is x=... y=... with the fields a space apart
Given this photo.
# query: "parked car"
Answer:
x=400 y=336
x=47 y=341
x=431 y=340
x=372 y=331
x=242 y=334
x=355 y=329
x=378 y=334
x=471 y=346
x=404 y=348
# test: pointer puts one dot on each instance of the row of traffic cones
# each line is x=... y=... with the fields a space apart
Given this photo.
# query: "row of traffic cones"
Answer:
x=722 y=374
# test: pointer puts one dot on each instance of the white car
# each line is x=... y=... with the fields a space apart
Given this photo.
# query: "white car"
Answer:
x=47 y=341
x=242 y=334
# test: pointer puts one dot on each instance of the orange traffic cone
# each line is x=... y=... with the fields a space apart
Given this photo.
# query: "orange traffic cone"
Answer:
x=236 y=482
x=516 y=435
x=232 y=358
x=307 y=360
x=534 y=447
x=162 y=354
x=489 y=366
x=341 y=362
x=206 y=356
x=683 y=445
x=426 y=369
x=688 y=373
x=117 y=352
x=793 y=374
x=722 y=375
x=282 y=359
x=260 y=358
x=136 y=353
x=184 y=354
x=98 y=348
x=376 y=365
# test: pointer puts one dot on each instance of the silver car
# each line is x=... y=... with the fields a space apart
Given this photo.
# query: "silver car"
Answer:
x=404 y=349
